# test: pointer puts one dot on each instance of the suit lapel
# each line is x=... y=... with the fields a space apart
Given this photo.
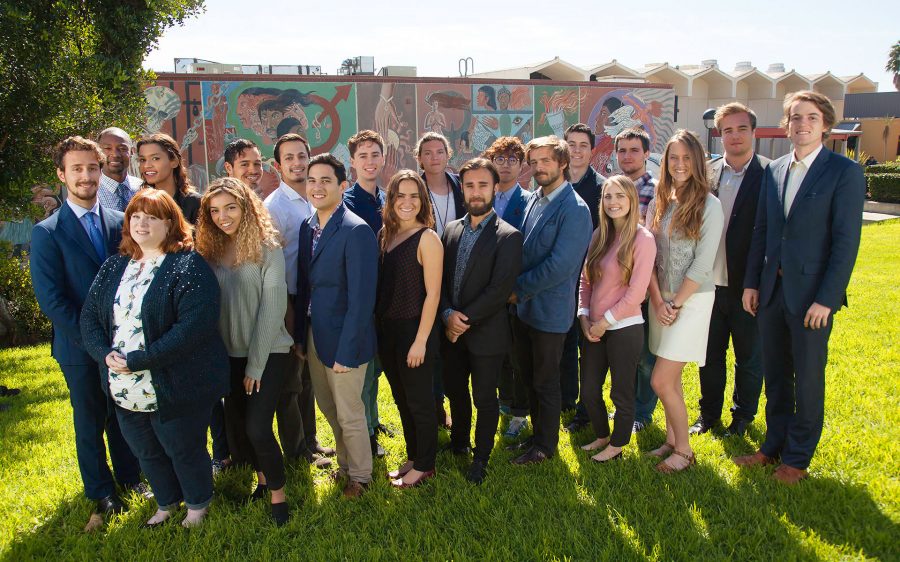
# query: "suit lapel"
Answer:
x=750 y=176
x=812 y=176
x=490 y=231
x=71 y=226
x=334 y=223
x=715 y=175
x=549 y=211
x=109 y=231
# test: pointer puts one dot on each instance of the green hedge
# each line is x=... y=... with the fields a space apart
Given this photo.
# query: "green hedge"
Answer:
x=886 y=168
x=29 y=323
x=884 y=188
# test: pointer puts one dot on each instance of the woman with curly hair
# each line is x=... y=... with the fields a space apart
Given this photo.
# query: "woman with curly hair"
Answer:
x=687 y=221
x=235 y=234
x=162 y=167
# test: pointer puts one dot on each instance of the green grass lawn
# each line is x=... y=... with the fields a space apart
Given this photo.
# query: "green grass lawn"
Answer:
x=567 y=508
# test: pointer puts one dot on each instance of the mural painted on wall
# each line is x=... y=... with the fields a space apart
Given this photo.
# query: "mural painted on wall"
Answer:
x=205 y=114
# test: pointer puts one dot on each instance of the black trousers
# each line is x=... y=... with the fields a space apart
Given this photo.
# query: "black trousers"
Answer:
x=485 y=371
x=618 y=352
x=794 y=359
x=288 y=412
x=568 y=367
x=248 y=419
x=538 y=355
x=413 y=389
x=729 y=320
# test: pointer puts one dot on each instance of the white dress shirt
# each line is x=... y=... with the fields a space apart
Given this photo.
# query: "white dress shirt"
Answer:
x=288 y=210
x=797 y=173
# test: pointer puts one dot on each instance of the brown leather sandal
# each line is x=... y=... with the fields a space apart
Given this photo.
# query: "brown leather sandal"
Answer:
x=662 y=450
x=666 y=469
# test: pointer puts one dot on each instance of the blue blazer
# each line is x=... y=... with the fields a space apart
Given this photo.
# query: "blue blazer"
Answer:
x=816 y=245
x=552 y=257
x=63 y=266
x=515 y=209
x=340 y=279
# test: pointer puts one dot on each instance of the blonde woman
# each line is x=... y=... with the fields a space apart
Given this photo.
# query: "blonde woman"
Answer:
x=236 y=236
x=613 y=284
x=687 y=221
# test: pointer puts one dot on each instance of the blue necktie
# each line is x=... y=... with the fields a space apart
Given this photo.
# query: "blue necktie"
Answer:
x=124 y=193
x=96 y=236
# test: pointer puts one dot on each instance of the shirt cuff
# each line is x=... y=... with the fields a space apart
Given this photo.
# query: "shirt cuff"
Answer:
x=584 y=312
x=445 y=316
x=609 y=318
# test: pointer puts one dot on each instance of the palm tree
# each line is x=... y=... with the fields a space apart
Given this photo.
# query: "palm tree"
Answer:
x=893 y=64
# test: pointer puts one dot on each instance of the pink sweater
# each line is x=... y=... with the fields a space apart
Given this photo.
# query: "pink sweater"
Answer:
x=608 y=293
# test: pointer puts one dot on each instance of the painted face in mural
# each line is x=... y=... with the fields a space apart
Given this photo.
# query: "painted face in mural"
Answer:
x=805 y=126
x=368 y=161
x=147 y=230
x=737 y=136
x=509 y=168
x=323 y=189
x=632 y=158
x=478 y=191
x=270 y=120
x=247 y=167
x=679 y=163
x=503 y=100
x=294 y=161
x=407 y=204
x=155 y=165
x=548 y=173
x=226 y=213
x=579 y=150
x=433 y=157
x=81 y=174
x=118 y=155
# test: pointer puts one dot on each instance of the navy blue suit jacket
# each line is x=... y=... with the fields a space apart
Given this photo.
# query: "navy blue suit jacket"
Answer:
x=816 y=245
x=515 y=209
x=340 y=279
x=63 y=266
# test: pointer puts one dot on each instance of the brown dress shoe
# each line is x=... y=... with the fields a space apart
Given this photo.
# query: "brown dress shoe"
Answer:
x=354 y=489
x=789 y=475
x=756 y=459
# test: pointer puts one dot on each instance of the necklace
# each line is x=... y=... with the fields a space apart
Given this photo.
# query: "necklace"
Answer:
x=442 y=220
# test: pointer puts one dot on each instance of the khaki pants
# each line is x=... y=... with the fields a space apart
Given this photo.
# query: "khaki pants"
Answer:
x=339 y=396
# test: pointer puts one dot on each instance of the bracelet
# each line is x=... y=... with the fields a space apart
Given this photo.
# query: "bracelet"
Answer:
x=672 y=304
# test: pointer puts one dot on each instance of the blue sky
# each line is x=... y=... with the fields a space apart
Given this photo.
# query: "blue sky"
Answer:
x=844 y=37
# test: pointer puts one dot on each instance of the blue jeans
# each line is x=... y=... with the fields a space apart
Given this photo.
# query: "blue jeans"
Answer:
x=172 y=454
x=644 y=398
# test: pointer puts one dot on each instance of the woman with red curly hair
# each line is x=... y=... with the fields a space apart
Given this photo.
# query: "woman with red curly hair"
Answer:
x=151 y=319
x=235 y=233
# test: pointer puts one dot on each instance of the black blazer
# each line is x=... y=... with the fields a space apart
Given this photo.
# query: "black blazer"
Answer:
x=180 y=314
x=815 y=247
x=456 y=189
x=743 y=215
x=489 y=279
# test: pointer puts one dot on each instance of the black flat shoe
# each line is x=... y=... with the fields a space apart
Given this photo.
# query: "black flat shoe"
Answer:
x=110 y=505
x=737 y=427
x=280 y=513
x=477 y=472
x=259 y=493
x=461 y=451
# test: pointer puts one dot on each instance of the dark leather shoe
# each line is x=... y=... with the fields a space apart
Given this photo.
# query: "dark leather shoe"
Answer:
x=576 y=425
x=789 y=475
x=355 y=489
x=702 y=425
x=280 y=513
x=462 y=451
x=384 y=430
x=259 y=493
x=533 y=456
x=109 y=505
x=327 y=451
x=141 y=488
x=521 y=445
x=377 y=449
x=477 y=472
x=756 y=459
x=737 y=427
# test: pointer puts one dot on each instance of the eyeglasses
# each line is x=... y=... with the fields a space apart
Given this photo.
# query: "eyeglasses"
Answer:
x=502 y=161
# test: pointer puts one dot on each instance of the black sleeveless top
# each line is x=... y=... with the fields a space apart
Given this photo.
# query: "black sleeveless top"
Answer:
x=401 y=282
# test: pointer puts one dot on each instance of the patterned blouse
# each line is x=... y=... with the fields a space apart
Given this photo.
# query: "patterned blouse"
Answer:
x=133 y=391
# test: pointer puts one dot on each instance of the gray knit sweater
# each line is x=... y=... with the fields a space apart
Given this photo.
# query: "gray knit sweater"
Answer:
x=254 y=300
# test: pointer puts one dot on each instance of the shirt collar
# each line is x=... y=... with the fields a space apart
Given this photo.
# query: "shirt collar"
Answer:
x=808 y=160
x=740 y=172
x=81 y=211
x=645 y=179
x=358 y=189
x=467 y=220
x=552 y=197
x=289 y=192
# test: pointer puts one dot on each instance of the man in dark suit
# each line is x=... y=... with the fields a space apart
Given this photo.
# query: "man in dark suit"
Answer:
x=67 y=250
x=508 y=155
x=805 y=241
x=735 y=180
x=482 y=258
x=334 y=325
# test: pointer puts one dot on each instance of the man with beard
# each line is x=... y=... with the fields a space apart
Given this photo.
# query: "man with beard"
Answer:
x=289 y=208
x=117 y=187
x=67 y=250
x=482 y=258
x=557 y=228
x=243 y=161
